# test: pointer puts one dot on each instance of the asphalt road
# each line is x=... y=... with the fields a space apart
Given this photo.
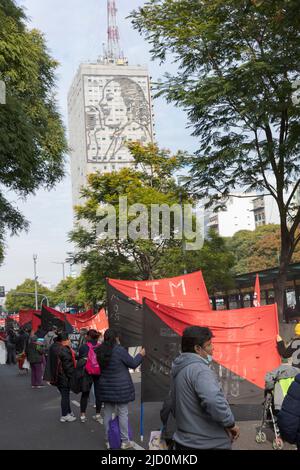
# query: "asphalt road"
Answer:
x=30 y=419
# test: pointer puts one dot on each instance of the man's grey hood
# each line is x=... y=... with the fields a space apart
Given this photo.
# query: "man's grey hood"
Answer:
x=186 y=359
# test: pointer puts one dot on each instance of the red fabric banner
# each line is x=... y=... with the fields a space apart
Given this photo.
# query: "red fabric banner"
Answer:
x=244 y=339
x=256 y=301
x=186 y=291
x=85 y=315
x=25 y=316
x=36 y=322
x=96 y=322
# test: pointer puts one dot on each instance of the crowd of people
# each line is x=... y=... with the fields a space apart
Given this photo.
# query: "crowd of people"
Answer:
x=195 y=415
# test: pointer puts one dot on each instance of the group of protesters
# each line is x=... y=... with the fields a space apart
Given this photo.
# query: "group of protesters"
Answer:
x=196 y=407
x=101 y=363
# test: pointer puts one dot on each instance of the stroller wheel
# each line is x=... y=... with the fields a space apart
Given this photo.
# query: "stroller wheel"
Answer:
x=260 y=437
x=278 y=444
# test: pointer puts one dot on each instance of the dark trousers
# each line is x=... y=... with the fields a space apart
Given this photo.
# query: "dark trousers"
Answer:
x=36 y=374
x=11 y=353
x=85 y=397
x=65 y=400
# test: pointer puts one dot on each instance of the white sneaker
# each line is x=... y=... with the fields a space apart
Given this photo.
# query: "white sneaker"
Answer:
x=127 y=445
x=83 y=419
x=67 y=419
x=98 y=418
x=107 y=445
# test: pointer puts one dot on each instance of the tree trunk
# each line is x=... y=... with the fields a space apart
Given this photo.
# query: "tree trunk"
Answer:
x=279 y=292
x=285 y=258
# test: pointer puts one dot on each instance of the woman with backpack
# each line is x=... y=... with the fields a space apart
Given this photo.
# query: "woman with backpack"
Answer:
x=115 y=386
x=87 y=360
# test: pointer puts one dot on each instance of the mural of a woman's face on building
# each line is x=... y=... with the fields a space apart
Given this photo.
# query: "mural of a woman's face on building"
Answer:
x=122 y=114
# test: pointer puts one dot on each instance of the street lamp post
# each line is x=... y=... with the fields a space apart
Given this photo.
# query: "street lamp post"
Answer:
x=35 y=282
x=45 y=297
x=64 y=276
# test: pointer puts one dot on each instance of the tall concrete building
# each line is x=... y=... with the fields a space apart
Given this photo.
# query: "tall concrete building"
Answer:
x=242 y=213
x=109 y=104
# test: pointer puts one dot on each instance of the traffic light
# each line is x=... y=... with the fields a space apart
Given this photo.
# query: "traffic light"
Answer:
x=2 y=291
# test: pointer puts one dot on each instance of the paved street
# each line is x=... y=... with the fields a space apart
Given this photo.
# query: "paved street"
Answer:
x=30 y=419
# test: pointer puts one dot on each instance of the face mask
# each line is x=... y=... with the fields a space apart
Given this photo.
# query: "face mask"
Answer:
x=209 y=359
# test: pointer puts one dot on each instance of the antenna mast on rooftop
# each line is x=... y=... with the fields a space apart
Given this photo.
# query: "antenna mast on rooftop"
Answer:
x=113 y=44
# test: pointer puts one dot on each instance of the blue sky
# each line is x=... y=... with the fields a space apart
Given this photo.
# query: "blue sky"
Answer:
x=75 y=31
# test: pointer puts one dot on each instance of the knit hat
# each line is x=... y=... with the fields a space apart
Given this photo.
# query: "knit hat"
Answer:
x=297 y=329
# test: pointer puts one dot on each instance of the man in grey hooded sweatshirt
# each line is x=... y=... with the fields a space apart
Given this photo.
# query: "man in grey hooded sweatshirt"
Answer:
x=204 y=419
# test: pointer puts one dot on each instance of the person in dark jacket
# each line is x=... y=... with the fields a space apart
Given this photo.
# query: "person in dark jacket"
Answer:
x=88 y=380
x=10 y=344
x=60 y=367
x=21 y=346
x=292 y=349
x=288 y=418
x=115 y=386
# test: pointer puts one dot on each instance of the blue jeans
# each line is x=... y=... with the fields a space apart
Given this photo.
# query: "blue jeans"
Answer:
x=65 y=400
x=121 y=410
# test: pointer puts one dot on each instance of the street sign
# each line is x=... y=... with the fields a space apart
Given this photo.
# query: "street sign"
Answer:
x=2 y=291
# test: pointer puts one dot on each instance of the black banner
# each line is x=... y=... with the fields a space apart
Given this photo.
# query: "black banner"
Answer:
x=162 y=346
x=126 y=316
x=48 y=321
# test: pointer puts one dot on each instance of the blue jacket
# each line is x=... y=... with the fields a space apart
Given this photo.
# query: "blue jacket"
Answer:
x=115 y=384
x=289 y=415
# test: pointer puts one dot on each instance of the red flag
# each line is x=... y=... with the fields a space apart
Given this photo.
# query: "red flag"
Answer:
x=256 y=298
x=244 y=339
x=186 y=291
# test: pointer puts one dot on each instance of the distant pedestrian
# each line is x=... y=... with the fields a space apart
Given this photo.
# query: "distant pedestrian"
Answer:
x=91 y=374
x=60 y=367
x=3 y=349
x=203 y=417
x=35 y=356
x=49 y=339
x=11 y=347
x=82 y=338
x=40 y=332
x=115 y=386
x=21 y=346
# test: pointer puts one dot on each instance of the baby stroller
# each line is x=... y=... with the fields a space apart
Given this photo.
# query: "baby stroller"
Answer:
x=277 y=383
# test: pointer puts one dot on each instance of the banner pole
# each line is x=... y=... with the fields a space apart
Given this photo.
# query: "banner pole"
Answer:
x=142 y=422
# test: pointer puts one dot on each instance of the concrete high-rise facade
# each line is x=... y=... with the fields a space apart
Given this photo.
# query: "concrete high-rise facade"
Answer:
x=109 y=105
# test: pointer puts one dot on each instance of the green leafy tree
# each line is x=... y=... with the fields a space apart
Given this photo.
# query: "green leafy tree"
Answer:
x=257 y=250
x=69 y=292
x=23 y=296
x=237 y=64
x=32 y=139
x=152 y=182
